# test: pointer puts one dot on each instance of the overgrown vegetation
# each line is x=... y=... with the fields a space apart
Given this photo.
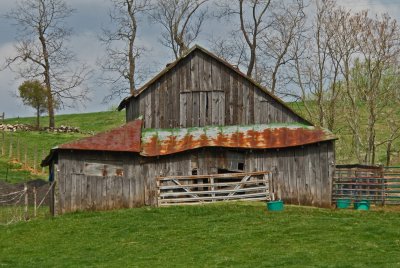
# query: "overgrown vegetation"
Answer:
x=221 y=235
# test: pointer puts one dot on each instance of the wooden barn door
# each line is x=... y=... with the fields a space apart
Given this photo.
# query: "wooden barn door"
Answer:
x=202 y=108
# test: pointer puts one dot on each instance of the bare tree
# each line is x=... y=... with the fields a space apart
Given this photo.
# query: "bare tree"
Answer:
x=251 y=26
x=41 y=51
x=231 y=49
x=318 y=64
x=267 y=30
x=181 y=21
x=277 y=45
x=122 y=51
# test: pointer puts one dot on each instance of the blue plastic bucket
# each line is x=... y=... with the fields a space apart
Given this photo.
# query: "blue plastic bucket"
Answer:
x=275 y=205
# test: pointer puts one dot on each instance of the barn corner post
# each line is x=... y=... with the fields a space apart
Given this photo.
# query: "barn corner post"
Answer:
x=332 y=167
x=52 y=189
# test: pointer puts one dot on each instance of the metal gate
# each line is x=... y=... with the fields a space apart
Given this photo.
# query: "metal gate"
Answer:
x=378 y=184
x=392 y=185
x=177 y=190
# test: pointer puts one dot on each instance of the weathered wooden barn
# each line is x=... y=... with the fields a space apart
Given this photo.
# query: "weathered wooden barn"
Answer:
x=197 y=122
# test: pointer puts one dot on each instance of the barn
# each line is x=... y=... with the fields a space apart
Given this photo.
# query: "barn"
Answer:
x=199 y=131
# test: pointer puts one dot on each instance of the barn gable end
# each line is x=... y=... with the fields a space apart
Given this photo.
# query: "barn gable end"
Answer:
x=202 y=90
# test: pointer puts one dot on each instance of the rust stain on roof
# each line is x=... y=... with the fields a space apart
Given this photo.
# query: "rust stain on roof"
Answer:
x=123 y=139
x=157 y=142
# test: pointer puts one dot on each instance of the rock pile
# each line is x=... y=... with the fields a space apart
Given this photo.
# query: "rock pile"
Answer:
x=62 y=129
x=24 y=127
x=15 y=127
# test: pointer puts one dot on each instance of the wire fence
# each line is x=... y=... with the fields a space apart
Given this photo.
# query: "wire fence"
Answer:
x=24 y=204
x=18 y=152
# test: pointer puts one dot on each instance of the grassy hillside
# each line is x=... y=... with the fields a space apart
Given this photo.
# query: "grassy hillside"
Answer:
x=87 y=122
x=221 y=235
x=41 y=141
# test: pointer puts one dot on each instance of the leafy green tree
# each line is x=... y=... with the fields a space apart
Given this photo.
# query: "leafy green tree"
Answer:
x=33 y=94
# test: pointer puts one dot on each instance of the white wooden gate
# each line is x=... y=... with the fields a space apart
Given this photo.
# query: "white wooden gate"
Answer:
x=178 y=190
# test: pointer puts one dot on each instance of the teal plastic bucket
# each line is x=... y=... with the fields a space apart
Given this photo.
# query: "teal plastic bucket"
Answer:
x=343 y=203
x=275 y=205
x=362 y=205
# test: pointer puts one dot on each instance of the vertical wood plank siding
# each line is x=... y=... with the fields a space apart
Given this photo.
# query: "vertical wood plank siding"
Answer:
x=201 y=91
x=303 y=175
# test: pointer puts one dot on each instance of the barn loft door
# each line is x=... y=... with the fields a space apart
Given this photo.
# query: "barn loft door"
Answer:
x=202 y=108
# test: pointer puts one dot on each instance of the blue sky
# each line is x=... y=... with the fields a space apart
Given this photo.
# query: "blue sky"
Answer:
x=87 y=21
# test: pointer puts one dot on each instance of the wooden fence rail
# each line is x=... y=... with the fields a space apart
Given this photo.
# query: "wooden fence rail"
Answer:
x=196 y=189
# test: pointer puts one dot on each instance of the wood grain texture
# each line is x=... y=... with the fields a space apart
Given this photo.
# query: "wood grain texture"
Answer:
x=238 y=103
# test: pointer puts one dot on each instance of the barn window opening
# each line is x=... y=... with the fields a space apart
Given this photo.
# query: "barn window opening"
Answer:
x=240 y=166
x=194 y=171
x=234 y=162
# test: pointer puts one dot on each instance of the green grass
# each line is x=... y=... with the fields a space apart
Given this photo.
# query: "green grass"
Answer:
x=42 y=141
x=87 y=122
x=14 y=173
x=222 y=235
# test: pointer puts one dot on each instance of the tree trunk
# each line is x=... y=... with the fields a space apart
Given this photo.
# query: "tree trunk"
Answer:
x=252 y=62
x=46 y=66
x=388 y=150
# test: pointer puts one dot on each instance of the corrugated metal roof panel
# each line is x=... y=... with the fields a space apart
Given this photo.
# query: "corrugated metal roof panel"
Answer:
x=157 y=142
x=123 y=139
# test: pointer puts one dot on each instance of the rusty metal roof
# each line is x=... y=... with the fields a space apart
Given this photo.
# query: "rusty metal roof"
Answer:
x=157 y=142
x=122 y=139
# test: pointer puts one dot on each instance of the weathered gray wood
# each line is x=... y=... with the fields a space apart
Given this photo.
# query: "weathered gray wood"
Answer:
x=325 y=180
x=241 y=102
x=78 y=191
x=203 y=108
x=300 y=175
x=332 y=164
x=125 y=192
x=183 y=109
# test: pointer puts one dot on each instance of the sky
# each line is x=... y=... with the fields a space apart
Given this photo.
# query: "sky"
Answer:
x=87 y=21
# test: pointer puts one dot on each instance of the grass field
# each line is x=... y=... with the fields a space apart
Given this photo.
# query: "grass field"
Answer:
x=221 y=235
x=42 y=142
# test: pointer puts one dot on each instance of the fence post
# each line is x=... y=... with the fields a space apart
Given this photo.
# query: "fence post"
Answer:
x=52 y=199
x=26 y=201
x=212 y=188
x=35 y=158
x=34 y=202
x=26 y=156
x=11 y=147
x=3 y=143
x=18 y=150
x=43 y=156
